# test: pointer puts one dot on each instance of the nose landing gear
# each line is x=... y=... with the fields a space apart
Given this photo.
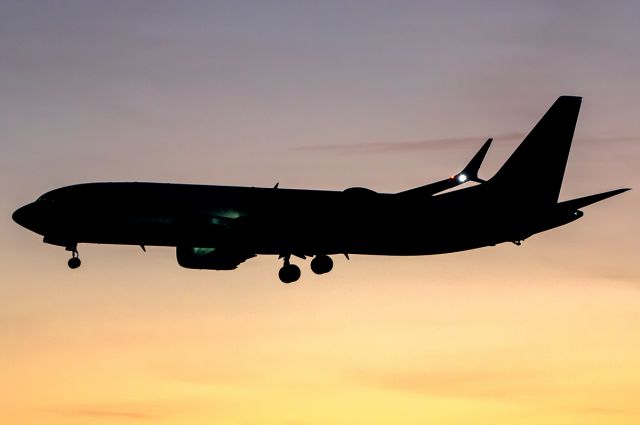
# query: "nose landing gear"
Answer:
x=74 y=262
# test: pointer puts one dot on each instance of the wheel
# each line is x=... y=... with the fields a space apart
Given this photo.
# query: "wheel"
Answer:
x=321 y=264
x=74 y=263
x=289 y=273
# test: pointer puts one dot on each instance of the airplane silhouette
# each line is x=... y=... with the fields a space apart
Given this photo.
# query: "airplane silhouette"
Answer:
x=219 y=227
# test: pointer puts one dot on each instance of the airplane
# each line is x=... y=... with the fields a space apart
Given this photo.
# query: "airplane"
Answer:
x=219 y=227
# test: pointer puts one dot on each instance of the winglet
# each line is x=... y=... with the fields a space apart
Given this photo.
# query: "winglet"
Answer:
x=470 y=172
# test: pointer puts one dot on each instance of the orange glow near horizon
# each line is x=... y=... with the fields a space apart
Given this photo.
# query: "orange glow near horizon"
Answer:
x=340 y=350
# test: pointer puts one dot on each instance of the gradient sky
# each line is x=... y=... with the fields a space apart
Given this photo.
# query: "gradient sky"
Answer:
x=318 y=94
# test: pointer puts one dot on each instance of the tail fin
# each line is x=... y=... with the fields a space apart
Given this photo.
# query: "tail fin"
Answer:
x=533 y=174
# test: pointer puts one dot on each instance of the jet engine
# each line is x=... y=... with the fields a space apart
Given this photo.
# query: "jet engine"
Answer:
x=210 y=258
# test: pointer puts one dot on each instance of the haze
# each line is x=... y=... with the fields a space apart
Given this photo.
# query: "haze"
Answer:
x=326 y=95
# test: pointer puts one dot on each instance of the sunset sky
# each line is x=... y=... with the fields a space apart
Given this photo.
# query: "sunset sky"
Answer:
x=326 y=95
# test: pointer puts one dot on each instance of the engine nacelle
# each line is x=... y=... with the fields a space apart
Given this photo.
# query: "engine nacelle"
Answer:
x=209 y=258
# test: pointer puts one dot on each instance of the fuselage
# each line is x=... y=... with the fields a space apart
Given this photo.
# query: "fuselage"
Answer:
x=273 y=221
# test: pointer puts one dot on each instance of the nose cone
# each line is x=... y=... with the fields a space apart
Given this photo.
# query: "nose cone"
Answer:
x=24 y=216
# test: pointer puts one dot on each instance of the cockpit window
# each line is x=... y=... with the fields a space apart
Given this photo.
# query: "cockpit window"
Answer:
x=44 y=199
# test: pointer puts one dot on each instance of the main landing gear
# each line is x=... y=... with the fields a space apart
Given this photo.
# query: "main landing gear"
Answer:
x=74 y=262
x=321 y=264
x=290 y=273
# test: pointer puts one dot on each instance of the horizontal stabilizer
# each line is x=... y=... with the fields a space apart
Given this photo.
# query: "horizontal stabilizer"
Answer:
x=577 y=203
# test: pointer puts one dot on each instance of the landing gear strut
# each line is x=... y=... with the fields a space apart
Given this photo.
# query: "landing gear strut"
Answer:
x=74 y=262
x=289 y=273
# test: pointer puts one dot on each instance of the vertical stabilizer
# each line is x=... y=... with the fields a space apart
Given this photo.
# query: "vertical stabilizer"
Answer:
x=533 y=174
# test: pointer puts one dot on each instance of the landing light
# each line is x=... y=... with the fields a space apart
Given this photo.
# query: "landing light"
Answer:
x=462 y=178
